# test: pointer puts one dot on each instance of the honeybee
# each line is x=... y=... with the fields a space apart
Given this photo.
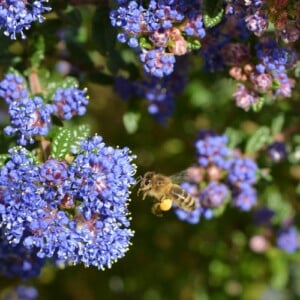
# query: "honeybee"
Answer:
x=165 y=192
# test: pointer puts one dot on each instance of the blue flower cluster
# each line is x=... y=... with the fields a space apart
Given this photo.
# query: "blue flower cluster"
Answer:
x=18 y=261
x=160 y=31
x=257 y=15
x=159 y=92
x=221 y=176
x=21 y=292
x=74 y=212
x=251 y=12
x=17 y=15
x=30 y=116
x=276 y=61
x=70 y=102
x=288 y=239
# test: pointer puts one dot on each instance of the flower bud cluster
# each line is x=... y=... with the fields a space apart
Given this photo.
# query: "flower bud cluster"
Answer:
x=258 y=14
x=161 y=31
x=17 y=16
x=268 y=76
x=30 y=116
x=221 y=176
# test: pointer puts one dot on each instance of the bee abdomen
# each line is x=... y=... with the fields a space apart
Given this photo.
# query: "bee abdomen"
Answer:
x=182 y=198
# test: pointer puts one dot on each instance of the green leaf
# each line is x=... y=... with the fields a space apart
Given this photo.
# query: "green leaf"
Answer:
x=78 y=135
x=259 y=105
x=275 y=201
x=61 y=143
x=235 y=137
x=194 y=44
x=277 y=124
x=38 y=52
x=3 y=159
x=103 y=34
x=258 y=140
x=131 y=121
x=212 y=13
x=297 y=69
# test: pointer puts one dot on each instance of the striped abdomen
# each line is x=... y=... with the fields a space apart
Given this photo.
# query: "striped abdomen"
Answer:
x=182 y=198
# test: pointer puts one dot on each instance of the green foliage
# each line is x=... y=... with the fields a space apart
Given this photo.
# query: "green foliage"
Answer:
x=61 y=143
x=212 y=13
x=258 y=140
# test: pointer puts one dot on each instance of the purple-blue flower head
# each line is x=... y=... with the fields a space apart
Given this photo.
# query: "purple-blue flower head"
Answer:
x=76 y=211
x=70 y=102
x=242 y=171
x=18 y=261
x=213 y=150
x=17 y=16
x=288 y=240
x=13 y=88
x=28 y=118
x=244 y=197
x=214 y=195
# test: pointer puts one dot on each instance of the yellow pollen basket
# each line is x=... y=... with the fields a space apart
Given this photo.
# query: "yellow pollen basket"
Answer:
x=166 y=204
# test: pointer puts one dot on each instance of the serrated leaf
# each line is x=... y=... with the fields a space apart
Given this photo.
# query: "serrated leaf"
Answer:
x=235 y=137
x=131 y=121
x=258 y=140
x=61 y=143
x=3 y=158
x=277 y=124
x=212 y=13
x=103 y=34
x=78 y=135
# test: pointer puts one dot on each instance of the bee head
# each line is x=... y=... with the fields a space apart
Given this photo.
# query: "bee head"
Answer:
x=146 y=181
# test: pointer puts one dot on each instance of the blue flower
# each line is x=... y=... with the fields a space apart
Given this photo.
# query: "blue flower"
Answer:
x=242 y=171
x=70 y=102
x=13 y=88
x=277 y=151
x=214 y=195
x=18 y=261
x=17 y=16
x=28 y=118
x=74 y=212
x=212 y=150
x=244 y=197
x=287 y=239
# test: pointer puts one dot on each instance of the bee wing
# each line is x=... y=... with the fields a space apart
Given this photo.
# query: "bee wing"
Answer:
x=193 y=174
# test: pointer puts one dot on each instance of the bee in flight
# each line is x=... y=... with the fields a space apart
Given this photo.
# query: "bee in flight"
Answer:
x=165 y=192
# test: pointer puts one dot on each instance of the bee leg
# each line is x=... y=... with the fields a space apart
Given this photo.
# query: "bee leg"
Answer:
x=156 y=209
